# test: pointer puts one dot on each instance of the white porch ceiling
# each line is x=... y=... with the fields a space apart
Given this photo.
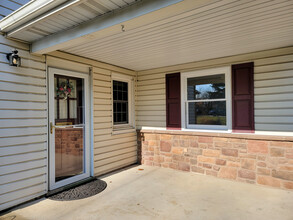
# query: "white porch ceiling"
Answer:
x=218 y=29
x=69 y=18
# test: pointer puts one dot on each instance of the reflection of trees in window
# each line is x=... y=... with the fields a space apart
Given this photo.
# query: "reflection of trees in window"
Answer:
x=207 y=105
x=213 y=91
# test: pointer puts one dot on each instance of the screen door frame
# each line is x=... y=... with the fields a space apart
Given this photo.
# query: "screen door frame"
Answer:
x=87 y=141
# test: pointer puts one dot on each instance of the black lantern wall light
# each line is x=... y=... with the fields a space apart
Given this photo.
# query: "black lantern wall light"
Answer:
x=14 y=59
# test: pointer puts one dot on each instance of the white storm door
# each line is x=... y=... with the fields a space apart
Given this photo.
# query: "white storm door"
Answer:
x=69 y=127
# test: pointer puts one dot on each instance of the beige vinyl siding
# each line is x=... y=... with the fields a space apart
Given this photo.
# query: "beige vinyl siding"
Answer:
x=111 y=151
x=23 y=126
x=273 y=89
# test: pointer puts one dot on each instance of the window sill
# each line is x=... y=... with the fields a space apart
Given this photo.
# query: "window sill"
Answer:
x=122 y=129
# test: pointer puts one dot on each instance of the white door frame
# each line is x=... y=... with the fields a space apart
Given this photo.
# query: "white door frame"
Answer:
x=87 y=148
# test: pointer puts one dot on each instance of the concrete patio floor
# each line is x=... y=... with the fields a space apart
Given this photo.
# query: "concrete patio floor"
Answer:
x=159 y=193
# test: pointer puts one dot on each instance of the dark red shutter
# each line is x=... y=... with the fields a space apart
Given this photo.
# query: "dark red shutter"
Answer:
x=173 y=108
x=243 y=98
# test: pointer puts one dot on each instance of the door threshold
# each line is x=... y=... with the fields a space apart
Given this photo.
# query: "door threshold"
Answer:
x=69 y=186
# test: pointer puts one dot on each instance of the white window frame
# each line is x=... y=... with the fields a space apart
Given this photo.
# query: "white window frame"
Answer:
x=122 y=128
x=184 y=101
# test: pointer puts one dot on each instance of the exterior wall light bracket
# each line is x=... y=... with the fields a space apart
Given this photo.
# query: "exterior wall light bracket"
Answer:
x=13 y=58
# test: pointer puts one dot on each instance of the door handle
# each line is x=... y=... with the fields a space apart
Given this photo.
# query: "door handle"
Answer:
x=51 y=127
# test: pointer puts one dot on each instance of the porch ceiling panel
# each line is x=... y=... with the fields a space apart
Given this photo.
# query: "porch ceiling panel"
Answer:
x=221 y=28
x=68 y=17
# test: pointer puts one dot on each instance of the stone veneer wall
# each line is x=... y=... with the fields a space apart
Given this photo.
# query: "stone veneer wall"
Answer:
x=255 y=159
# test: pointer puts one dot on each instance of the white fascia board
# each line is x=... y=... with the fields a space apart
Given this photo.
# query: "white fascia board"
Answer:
x=91 y=29
x=27 y=12
x=43 y=16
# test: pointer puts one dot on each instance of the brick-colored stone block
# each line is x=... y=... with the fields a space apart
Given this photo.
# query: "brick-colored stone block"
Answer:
x=180 y=143
x=153 y=143
x=261 y=164
x=287 y=185
x=173 y=166
x=228 y=173
x=249 y=156
x=220 y=162
x=193 y=161
x=177 y=150
x=289 y=153
x=232 y=164
x=237 y=140
x=230 y=152
x=286 y=168
x=285 y=175
x=211 y=173
x=268 y=181
x=166 y=137
x=204 y=159
x=151 y=137
x=263 y=171
x=195 y=151
x=283 y=144
x=165 y=146
x=193 y=143
x=248 y=164
x=197 y=169
x=203 y=145
x=221 y=139
x=176 y=157
x=150 y=148
x=203 y=139
x=216 y=168
x=208 y=166
x=211 y=153
x=255 y=146
x=246 y=174
x=277 y=152
x=220 y=144
x=183 y=166
x=261 y=157
x=239 y=146
x=149 y=163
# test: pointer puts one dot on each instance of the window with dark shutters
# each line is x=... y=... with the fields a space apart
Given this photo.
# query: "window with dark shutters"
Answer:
x=173 y=108
x=243 y=98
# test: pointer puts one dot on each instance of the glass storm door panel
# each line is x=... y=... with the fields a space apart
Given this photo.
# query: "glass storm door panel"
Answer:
x=69 y=147
x=69 y=126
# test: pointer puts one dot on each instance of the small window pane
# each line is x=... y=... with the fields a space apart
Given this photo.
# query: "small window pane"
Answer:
x=73 y=108
x=120 y=102
x=73 y=93
x=62 y=109
x=207 y=113
x=206 y=87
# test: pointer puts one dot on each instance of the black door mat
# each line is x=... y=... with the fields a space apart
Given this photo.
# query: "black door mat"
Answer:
x=80 y=192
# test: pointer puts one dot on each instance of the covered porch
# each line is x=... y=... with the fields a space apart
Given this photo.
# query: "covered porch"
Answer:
x=163 y=54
